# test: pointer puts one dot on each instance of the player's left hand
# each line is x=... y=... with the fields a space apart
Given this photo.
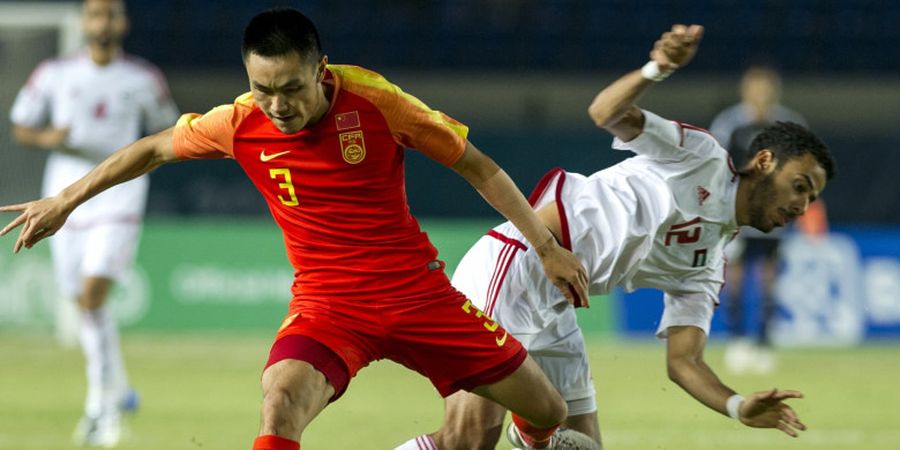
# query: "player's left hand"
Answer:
x=565 y=271
x=40 y=218
x=767 y=410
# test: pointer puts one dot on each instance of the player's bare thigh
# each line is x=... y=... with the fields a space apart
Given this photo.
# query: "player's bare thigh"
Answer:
x=528 y=393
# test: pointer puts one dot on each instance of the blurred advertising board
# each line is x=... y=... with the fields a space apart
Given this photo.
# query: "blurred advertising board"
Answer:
x=204 y=274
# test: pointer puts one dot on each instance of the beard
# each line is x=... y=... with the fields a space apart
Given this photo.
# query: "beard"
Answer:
x=761 y=197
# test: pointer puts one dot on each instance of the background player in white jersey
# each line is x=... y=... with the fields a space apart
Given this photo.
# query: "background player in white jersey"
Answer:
x=752 y=251
x=82 y=108
x=659 y=220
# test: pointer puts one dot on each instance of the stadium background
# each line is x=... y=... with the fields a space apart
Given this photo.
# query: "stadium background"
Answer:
x=212 y=278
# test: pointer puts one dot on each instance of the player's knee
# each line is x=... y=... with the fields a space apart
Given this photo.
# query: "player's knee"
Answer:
x=292 y=387
x=552 y=413
x=94 y=292
x=280 y=394
x=557 y=413
x=278 y=398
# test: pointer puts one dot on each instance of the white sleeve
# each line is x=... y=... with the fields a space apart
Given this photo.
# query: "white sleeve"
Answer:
x=667 y=140
x=159 y=110
x=32 y=105
x=694 y=309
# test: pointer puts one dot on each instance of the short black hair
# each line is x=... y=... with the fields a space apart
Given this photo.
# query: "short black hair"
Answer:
x=788 y=140
x=279 y=32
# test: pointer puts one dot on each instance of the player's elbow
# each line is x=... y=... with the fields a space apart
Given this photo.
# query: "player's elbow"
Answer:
x=672 y=372
x=678 y=370
x=602 y=116
x=159 y=147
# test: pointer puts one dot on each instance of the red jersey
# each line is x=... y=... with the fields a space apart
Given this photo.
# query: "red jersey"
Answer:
x=337 y=187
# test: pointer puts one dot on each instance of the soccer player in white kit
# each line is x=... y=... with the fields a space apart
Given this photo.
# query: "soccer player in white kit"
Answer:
x=657 y=220
x=82 y=108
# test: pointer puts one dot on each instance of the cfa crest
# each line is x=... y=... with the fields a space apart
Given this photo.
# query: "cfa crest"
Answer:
x=353 y=147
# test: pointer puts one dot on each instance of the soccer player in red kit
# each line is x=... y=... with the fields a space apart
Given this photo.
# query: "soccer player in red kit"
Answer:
x=324 y=145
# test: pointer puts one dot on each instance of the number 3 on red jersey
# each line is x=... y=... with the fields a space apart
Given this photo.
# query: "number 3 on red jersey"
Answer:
x=288 y=186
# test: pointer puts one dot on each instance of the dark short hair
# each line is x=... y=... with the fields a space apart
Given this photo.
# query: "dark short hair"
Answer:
x=788 y=140
x=279 y=32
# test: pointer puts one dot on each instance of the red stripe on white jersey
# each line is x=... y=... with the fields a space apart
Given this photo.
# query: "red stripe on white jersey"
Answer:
x=494 y=276
x=501 y=268
x=686 y=126
x=507 y=240
x=566 y=239
x=734 y=172
x=493 y=299
x=426 y=443
x=693 y=127
x=542 y=185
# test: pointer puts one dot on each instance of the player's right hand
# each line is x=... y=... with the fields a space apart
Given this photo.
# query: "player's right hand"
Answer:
x=565 y=271
x=677 y=47
x=767 y=410
x=39 y=219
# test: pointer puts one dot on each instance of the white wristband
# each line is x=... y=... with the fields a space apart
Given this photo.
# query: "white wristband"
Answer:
x=652 y=72
x=733 y=406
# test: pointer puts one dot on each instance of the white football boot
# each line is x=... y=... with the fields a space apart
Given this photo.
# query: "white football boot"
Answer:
x=104 y=431
x=562 y=439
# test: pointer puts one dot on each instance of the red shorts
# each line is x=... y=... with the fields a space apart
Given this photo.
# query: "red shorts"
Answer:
x=442 y=336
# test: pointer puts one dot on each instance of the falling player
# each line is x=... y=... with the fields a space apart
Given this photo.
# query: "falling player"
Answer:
x=657 y=220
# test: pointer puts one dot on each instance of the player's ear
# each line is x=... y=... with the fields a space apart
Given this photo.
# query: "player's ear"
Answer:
x=764 y=162
x=320 y=70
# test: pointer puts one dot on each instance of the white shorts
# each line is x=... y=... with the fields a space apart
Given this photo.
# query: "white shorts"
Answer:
x=499 y=275
x=105 y=250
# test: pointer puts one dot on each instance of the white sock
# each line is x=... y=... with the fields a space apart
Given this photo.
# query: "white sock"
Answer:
x=423 y=442
x=103 y=362
x=67 y=318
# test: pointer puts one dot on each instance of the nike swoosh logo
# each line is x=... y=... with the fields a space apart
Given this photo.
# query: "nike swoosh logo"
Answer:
x=266 y=158
x=502 y=340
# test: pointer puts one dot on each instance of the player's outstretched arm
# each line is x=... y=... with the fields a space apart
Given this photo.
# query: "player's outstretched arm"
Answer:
x=760 y=410
x=44 y=217
x=560 y=265
x=47 y=138
x=614 y=107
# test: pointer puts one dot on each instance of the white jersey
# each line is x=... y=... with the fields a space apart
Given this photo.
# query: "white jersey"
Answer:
x=657 y=220
x=105 y=108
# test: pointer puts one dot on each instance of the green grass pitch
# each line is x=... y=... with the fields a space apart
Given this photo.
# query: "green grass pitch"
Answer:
x=201 y=391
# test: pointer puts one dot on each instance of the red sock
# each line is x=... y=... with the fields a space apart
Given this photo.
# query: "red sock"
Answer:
x=533 y=436
x=272 y=442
